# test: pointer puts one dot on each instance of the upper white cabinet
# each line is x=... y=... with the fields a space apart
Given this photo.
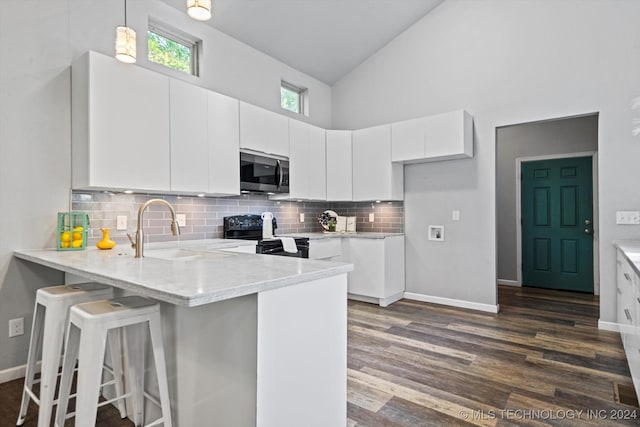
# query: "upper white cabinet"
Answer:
x=120 y=127
x=263 y=130
x=189 y=144
x=433 y=138
x=223 y=134
x=339 y=165
x=307 y=161
x=375 y=177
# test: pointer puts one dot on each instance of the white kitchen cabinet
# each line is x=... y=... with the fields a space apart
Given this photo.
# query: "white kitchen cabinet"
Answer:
x=223 y=135
x=263 y=130
x=628 y=314
x=439 y=137
x=375 y=177
x=339 y=165
x=378 y=274
x=189 y=144
x=307 y=167
x=329 y=249
x=120 y=126
x=407 y=140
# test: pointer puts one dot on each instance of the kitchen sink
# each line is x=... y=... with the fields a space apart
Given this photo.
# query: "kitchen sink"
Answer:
x=172 y=254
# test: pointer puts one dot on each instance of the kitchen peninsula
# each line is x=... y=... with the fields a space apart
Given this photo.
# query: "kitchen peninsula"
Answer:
x=250 y=340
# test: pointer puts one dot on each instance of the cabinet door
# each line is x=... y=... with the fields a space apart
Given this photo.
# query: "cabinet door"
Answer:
x=278 y=134
x=253 y=125
x=374 y=175
x=316 y=164
x=263 y=130
x=407 y=140
x=307 y=161
x=223 y=140
x=367 y=278
x=449 y=136
x=128 y=126
x=189 y=147
x=339 y=179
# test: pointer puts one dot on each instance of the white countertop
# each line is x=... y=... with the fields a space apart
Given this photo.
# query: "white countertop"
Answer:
x=327 y=235
x=204 y=275
x=631 y=250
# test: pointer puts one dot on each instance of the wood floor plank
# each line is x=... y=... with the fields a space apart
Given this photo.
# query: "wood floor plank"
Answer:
x=414 y=343
x=440 y=405
x=366 y=397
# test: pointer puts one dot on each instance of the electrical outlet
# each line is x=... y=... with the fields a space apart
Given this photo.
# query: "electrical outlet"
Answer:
x=121 y=222
x=302 y=217
x=16 y=327
x=181 y=219
x=628 y=217
x=455 y=216
x=372 y=217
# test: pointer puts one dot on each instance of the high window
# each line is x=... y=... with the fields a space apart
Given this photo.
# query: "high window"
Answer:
x=172 y=49
x=292 y=97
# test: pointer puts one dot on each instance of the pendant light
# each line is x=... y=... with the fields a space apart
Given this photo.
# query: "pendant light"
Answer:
x=125 y=41
x=199 y=10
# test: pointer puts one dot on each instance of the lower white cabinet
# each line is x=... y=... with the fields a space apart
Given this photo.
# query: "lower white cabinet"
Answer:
x=378 y=265
x=628 y=314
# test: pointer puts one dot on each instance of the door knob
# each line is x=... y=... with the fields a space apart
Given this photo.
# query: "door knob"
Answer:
x=587 y=222
x=588 y=231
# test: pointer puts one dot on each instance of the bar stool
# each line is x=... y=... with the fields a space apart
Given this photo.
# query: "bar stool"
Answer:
x=50 y=316
x=89 y=324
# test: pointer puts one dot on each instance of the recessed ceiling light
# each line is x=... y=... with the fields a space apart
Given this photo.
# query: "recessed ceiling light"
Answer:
x=128 y=191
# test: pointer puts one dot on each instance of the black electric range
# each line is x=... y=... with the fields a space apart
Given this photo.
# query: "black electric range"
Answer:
x=249 y=227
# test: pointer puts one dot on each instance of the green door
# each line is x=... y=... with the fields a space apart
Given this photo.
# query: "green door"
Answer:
x=557 y=224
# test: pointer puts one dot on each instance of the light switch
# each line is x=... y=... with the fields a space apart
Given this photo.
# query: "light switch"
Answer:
x=121 y=222
x=372 y=217
x=455 y=216
x=628 y=217
x=301 y=217
x=181 y=219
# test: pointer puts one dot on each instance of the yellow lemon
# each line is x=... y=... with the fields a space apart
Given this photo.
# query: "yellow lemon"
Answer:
x=78 y=228
x=64 y=244
x=65 y=236
x=76 y=244
x=77 y=235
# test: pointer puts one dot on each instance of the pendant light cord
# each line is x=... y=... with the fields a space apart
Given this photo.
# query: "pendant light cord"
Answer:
x=125 y=13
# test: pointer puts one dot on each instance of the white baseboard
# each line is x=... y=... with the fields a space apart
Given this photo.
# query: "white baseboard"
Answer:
x=509 y=282
x=608 y=326
x=453 y=302
x=14 y=373
x=382 y=302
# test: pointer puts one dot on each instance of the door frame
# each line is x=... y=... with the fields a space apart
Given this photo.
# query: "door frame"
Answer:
x=596 y=223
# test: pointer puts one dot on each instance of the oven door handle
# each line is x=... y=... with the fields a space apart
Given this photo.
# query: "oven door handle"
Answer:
x=279 y=173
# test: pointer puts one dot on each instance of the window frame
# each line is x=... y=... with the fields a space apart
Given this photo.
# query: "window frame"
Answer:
x=302 y=94
x=177 y=36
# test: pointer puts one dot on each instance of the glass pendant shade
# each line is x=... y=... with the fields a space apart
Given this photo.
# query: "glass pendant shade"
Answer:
x=125 y=44
x=199 y=10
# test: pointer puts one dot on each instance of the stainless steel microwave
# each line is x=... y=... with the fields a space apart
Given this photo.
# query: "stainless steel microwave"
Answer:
x=263 y=173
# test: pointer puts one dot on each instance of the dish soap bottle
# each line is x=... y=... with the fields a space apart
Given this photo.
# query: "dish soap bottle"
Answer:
x=106 y=242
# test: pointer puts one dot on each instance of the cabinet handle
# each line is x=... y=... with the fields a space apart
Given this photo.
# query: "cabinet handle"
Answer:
x=638 y=298
x=626 y=276
x=619 y=291
x=618 y=262
x=627 y=314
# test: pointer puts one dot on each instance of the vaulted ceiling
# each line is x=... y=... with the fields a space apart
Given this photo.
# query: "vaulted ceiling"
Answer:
x=325 y=39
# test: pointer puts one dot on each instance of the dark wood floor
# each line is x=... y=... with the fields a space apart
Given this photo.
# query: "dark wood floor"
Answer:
x=540 y=361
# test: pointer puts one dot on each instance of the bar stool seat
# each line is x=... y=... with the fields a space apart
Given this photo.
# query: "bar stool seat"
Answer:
x=89 y=324
x=50 y=316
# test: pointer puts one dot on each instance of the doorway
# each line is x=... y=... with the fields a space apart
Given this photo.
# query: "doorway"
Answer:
x=529 y=142
x=556 y=214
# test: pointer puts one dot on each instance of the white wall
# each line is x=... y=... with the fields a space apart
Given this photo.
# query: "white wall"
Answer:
x=505 y=62
x=38 y=41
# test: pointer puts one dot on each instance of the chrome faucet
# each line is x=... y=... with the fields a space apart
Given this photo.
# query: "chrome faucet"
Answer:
x=138 y=245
